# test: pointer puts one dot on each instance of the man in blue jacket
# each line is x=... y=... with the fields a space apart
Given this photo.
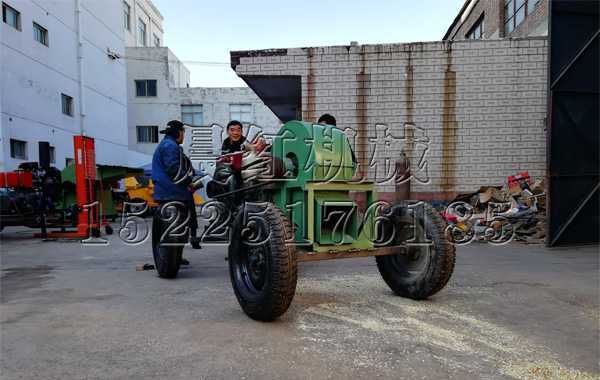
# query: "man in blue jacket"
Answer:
x=172 y=174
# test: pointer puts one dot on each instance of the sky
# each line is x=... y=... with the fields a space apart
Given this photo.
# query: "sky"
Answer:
x=201 y=33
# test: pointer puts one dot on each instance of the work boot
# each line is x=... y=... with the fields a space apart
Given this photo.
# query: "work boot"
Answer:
x=195 y=242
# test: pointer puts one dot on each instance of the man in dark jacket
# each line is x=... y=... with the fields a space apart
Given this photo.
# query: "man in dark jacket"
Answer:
x=172 y=174
x=236 y=141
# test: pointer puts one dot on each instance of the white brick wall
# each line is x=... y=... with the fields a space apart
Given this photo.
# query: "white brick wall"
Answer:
x=495 y=108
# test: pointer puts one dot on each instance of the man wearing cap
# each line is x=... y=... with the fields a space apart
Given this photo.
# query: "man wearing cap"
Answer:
x=172 y=174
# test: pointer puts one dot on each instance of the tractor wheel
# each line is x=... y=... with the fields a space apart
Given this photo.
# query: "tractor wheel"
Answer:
x=421 y=269
x=262 y=267
x=168 y=240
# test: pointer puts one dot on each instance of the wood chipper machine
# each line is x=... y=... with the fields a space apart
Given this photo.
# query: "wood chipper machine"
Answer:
x=299 y=201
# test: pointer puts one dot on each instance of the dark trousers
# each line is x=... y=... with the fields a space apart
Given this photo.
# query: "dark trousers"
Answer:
x=184 y=210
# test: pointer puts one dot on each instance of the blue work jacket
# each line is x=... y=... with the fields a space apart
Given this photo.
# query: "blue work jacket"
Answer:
x=170 y=172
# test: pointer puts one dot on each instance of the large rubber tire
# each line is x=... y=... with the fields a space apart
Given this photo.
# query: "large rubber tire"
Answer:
x=263 y=270
x=167 y=250
x=420 y=271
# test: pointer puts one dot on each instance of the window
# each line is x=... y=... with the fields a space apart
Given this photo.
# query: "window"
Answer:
x=69 y=161
x=18 y=149
x=40 y=34
x=52 y=155
x=531 y=4
x=141 y=33
x=67 y=104
x=476 y=31
x=192 y=115
x=147 y=134
x=515 y=12
x=145 y=87
x=11 y=16
x=156 y=41
x=127 y=15
x=241 y=113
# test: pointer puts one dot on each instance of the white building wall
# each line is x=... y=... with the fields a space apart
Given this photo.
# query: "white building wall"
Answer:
x=146 y=11
x=34 y=76
x=172 y=79
x=216 y=101
x=178 y=74
x=151 y=63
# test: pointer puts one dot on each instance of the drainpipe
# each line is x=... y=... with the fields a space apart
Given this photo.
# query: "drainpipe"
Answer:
x=82 y=112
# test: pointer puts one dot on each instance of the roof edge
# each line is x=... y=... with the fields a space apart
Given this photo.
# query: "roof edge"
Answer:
x=456 y=19
x=236 y=55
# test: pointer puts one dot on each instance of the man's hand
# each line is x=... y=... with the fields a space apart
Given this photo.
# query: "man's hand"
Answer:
x=196 y=184
x=258 y=145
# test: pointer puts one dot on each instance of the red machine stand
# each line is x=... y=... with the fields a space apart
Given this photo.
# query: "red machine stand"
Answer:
x=88 y=217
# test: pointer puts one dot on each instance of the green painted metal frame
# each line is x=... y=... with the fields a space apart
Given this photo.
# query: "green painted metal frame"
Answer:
x=363 y=240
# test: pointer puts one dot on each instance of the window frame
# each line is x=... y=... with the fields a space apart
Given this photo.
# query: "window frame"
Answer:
x=528 y=8
x=142 y=36
x=240 y=119
x=153 y=134
x=193 y=113
x=13 y=150
x=478 y=25
x=532 y=9
x=52 y=153
x=44 y=34
x=70 y=104
x=127 y=15
x=6 y=7
x=146 y=87
x=156 y=39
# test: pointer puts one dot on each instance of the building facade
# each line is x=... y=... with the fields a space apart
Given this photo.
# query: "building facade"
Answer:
x=154 y=76
x=53 y=90
x=142 y=22
x=158 y=91
x=122 y=91
x=466 y=113
x=488 y=19
x=215 y=107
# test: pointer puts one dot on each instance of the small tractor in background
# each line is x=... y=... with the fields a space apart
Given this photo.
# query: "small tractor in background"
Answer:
x=38 y=195
x=296 y=202
x=30 y=195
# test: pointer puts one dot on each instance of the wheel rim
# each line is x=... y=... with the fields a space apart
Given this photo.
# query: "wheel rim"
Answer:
x=253 y=267
x=415 y=259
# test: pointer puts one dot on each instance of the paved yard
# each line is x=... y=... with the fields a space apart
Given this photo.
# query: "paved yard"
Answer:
x=72 y=312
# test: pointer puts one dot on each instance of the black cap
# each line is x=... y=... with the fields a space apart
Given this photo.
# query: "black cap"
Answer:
x=327 y=119
x=172 y=126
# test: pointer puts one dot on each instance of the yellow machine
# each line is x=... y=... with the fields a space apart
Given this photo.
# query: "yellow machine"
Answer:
x=141 y=188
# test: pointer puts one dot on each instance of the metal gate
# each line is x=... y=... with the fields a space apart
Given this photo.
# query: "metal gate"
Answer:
x=574 y=124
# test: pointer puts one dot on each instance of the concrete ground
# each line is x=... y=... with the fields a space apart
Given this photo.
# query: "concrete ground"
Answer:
x=70 y=312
